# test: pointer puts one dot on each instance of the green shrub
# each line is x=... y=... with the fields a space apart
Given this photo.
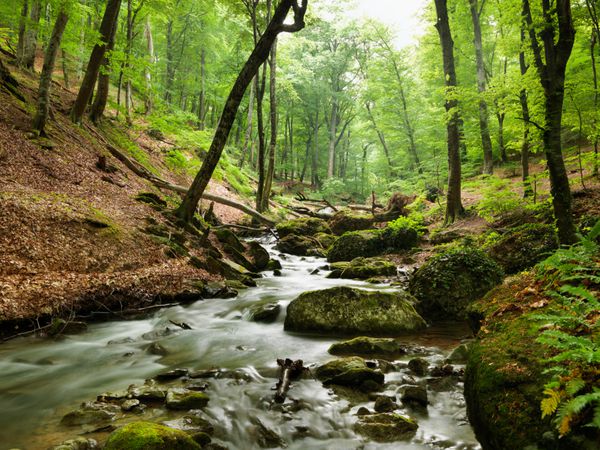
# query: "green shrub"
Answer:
x=498 y=198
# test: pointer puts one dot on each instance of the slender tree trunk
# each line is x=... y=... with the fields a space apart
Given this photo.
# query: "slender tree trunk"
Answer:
x=527 y=191
x=41 y=116
x=454 y=207
x=149 y=101
x=65 y=69
x=248 y=136
x=170 y=71
x=315 y=154
x=260 y=91
x=306 y=157
x=259 y=55
x=333 y=123
x=128 y=48
x=96 y=58
x=381 y=137
x=486 y=141
x=500 y=116
x=552 y=76
x=202 y=98
x=102 y=90
x=31 y=35
x=22 y=32
x=273 y=115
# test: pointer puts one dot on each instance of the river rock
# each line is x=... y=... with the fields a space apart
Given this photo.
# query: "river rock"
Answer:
x=226 y=236
x=172 y=375
x=264 y=436
x=259 y=256
x=418 y=366
x=184 y=400
x=300 y=246
x=216 y=289
x=352 y=372
x=130 y=405
x=79 y=443
x=415 y=396
x=149 y=391
x=368 y=346
x=346 y=221
x=348 y=311
x=149 y=436
x=90 y=413
x=459 y=355
x=363 y=269
x=265 y=313
x=302 y=227
x=365 y=243
x=386 y=427
x=448 y=283
x=384 y=404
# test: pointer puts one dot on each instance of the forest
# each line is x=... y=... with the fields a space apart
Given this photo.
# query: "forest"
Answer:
x=299 y=224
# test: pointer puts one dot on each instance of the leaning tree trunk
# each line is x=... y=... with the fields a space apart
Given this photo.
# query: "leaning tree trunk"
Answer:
x=259 y=55
x=552 y=77
x=39 y=121
x=454 y=206
x=103 y=80
x=273 y=115
x=96 y=58
x=484 y=126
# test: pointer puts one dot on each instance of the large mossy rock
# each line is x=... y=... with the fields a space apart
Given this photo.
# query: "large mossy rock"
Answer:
x=351 y=372
x=386 y=427
x=347 y=311
x=300 y=246
x=522 y=247
x=363 y=269
x=449 y=282
x=149 y=436
x=356 y=244
x=346 y=221
x=302 y=227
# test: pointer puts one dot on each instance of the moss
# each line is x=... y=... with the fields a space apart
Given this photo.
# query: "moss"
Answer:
x=447 y=283
x=345 y=221
x=149 y=436
x=356 y=244
x=182 y=399
x=351 y=372
x=386 y=427
x=522 y=247
x=367 y=346
x=347 y=311
x=302 y=227
x=300 y=246
x=364 y=268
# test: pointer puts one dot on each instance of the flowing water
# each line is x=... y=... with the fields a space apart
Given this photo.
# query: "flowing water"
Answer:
x=41 y=379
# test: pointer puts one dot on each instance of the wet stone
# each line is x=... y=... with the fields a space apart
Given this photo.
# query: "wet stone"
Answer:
x=185 y=400
x=384 y=404
x=171 y=375
x=77 y=444
x=149 y=391
x=415 y=396
x=362 y=411
x=156 y=349
x=418 y=366
x=386 y=427
x=90 y=413
x=129 y=405
x=265 y=313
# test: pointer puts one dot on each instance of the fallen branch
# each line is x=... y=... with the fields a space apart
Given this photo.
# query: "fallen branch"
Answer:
x=290 y=371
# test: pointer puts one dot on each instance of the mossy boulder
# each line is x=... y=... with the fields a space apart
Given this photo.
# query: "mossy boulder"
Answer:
x=184 y=400
x=149 y=436
x=325 y=240
x=363 y=269
x=302 y=227
x=259 y=256
x=226 y=236
x=368 y=346
x=300 y=246
x=386 y=427
x=347 y=311
x=346 y=221
x=522 y=247
x=352 y=372
x=449 y=282
x=356 y=244
x=79 y=443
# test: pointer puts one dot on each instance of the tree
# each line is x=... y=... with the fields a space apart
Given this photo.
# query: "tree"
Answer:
x=454 y=206
x=30 y=35
x=552 y=77
x=96 y=58
x=258 y=57
x=484 y=127
x=39 y=121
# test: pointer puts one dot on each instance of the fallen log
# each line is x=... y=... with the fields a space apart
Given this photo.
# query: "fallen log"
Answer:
x=289 y=371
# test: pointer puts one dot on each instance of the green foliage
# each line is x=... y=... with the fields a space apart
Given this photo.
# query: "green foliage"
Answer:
x=572 y=278
x=498 y=198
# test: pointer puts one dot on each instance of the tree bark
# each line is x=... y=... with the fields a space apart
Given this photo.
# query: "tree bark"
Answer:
x=31 y=35
x=484 y=127
x=593 y=13
x=96 y=58
x=22 y=31
x=454 y=207
x=273 y=116
x=248 y=136
x=381 y=137
x=259 y=55
x=527 y=191
x=202 y=97
x=43 y=104
x=101 y=99
x=333 y=123
x=149 y=101
x=315 y=154
x=552 y=76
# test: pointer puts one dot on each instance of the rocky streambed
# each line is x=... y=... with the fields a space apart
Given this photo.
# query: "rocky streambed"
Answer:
x=211 y=382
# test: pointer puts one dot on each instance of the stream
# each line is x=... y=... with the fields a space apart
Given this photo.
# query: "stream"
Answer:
x=42 y=379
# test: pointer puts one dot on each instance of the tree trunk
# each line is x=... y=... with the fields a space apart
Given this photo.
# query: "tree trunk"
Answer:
x=259 y=55
x=149 y=101
x=552 y=76
x=128 y=48
x=170 y=70
x=273 y=115
x=454 y=207
x=526 y=119
x=333 y=123
x=593 y=13
x=202 y=98
x=96 y=58
x=31 y=35
x=260 y=94
x=101 y=99
x=43 y=103
x=315 y=154
x=65 y=69
x=22 y=31
x=248 y=136
x=486 y=141
x=381 y=137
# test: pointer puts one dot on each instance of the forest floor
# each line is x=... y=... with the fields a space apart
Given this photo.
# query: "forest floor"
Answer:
x=71 y=232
